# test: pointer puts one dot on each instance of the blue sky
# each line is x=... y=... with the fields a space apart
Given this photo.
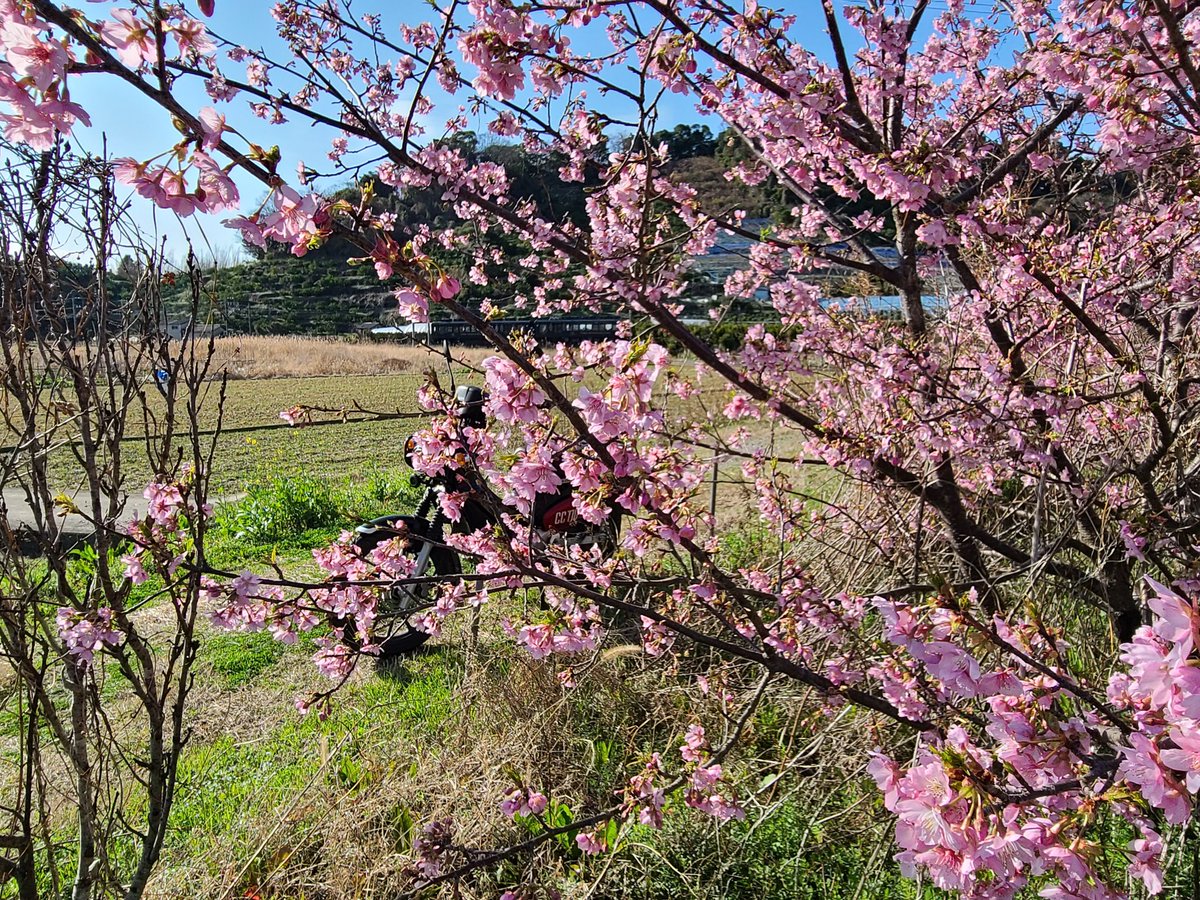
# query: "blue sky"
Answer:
x=127 y=124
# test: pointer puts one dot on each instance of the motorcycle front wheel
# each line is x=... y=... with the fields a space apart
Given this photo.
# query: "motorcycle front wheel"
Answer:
x=394 y=631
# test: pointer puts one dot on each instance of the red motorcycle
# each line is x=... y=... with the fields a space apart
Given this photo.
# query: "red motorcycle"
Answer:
x=554 y=518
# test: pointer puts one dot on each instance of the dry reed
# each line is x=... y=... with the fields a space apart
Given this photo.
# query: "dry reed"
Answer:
x=296 y=357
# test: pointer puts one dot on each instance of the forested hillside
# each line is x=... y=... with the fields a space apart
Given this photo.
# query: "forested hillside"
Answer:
x=273 y=293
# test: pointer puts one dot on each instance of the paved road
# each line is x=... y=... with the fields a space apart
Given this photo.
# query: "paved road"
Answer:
x=74 y=528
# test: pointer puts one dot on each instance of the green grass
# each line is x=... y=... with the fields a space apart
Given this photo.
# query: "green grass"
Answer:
x=231 y=791
x=240 y=657
x=274 y=448
x=285 y=517
x=750 y=545
x=777 y=857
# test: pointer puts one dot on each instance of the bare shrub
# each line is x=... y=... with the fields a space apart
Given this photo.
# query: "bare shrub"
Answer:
x=100 y=655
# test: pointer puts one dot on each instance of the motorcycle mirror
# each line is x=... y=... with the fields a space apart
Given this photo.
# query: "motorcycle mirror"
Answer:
x=449 y=362
x=162 y=381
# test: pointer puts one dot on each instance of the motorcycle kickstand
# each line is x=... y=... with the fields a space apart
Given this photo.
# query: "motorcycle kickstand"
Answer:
x=473 y=639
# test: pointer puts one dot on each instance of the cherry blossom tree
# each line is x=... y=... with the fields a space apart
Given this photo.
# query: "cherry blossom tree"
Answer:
x=986 y=509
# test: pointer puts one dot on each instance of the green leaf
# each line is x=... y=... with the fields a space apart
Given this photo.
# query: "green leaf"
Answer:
x=611 y=831
x=560 y=815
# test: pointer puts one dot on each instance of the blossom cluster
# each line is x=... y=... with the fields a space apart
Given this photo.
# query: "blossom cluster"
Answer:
x=350 y=597
x=520 y=802
x=984 y=812
x=703 y=792
x=161 y=543
x=1161 y=691
x=85 y=633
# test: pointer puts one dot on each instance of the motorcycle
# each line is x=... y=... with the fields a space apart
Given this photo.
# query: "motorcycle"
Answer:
x=555 y=521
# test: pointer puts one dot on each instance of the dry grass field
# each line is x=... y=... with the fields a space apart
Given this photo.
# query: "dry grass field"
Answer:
x=252 y=356
x=345 y=383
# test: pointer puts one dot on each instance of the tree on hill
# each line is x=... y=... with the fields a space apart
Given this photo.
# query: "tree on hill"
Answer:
x=684 y=141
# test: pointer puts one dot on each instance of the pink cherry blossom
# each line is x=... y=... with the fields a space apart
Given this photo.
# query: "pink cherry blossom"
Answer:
x=1185 y=755
x=131 y=37
x=84 y=634
x=694 y=745
x=591 y=844
x=164 y=500
x=33 y=57
x=213 y=125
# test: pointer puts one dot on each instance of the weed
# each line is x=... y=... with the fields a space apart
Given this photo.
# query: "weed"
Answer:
x=749 y=545
x=280 y=508
x=288 y=516
x=280 y=783
x=381 y=491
